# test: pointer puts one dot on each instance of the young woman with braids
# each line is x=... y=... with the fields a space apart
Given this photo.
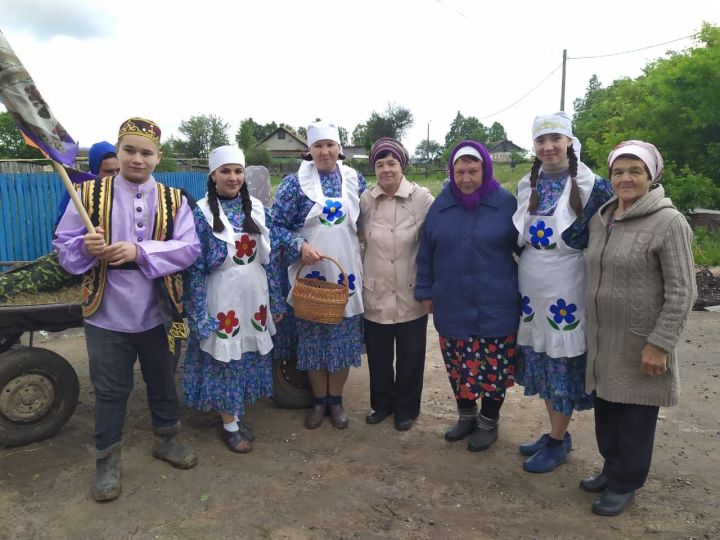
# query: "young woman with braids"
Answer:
x=555 y=203
x=227 y=362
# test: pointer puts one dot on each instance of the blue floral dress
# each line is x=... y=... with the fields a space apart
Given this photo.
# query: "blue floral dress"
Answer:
x=208 y=384
x=319 y=346
x=561 y=380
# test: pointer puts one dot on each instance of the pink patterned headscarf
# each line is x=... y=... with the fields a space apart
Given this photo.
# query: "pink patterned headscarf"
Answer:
x=393 y=146
x=644 y=151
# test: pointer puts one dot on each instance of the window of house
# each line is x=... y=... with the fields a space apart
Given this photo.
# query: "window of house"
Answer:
x=281 y=134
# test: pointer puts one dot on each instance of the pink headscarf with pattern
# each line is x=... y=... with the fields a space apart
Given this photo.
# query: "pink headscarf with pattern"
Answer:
x=642 y=150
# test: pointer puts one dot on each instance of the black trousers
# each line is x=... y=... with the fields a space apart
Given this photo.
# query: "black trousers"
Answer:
x=112 y=357
x=399 y=390
x=625 y=436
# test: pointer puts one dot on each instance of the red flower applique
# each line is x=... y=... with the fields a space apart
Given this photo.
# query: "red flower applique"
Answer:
x=245 y=247
x=228 y=321
x=261 y=317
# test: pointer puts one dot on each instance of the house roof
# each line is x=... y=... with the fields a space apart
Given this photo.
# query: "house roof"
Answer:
x=289 y=132
x=492 y=147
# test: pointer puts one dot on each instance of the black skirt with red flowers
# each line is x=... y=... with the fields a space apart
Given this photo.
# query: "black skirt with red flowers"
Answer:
x=479 y=366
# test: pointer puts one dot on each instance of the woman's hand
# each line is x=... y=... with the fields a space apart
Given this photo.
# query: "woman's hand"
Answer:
x=120 y=253
x=427 y=305
x=278 y=317
x=309 y=254
x=653 y=361
x=95 y=243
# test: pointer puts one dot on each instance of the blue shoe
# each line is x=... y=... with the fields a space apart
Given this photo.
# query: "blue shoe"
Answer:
x=546 y=459
x=528 y=449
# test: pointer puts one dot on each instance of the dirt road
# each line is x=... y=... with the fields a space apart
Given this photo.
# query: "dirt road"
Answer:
x=369 y=481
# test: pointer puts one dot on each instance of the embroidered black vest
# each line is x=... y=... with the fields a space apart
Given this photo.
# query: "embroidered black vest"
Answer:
x=97 y=197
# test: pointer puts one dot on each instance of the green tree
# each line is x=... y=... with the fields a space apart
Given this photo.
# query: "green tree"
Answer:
x=258 y=156
x=201 y=134
x=673 y=104
x=245 y=136
x=428 y=151
x=394 y=122
x=167 y=161
x=495 y=133
x=12 y=144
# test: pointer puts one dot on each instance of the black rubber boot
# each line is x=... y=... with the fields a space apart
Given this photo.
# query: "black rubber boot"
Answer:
x=485 y=435
x=466 y=424
x=108 y=470
x=168 y=448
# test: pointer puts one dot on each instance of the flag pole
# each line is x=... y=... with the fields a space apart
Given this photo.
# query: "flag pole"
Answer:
x=74 y=196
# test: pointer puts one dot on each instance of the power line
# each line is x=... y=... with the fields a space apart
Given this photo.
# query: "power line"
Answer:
x=452 y=8
x=524 y=95
x=632 y=50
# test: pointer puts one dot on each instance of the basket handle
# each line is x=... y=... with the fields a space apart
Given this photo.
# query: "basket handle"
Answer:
x=328 y=257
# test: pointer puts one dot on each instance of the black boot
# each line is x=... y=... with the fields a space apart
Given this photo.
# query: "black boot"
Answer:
x=168 y=448
x=485 y=435
x=108 y=470
x=466 y=424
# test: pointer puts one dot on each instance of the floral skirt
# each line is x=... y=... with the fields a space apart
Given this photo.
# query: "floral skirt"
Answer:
x=479 y=367
x=329 y=347
x=210 y=385
x=560 y=380
x=285 y=340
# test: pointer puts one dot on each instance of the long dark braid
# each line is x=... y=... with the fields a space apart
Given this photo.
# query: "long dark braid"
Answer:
x=249 y=226
x=217 y=224
x=575 y=200
x=534 y=197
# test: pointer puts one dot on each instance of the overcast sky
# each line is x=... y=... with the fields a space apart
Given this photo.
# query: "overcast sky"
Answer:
x=98 y=62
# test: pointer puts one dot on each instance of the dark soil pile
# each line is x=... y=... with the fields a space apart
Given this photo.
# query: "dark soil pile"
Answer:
x=708 y=290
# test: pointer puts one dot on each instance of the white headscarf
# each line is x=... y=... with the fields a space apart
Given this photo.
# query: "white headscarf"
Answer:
x=555 y=123
x=321 y=131
x=223 y=155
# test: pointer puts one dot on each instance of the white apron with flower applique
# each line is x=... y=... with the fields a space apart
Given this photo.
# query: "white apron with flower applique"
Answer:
x=551 y=275
x=331 y=227
x=237 y=291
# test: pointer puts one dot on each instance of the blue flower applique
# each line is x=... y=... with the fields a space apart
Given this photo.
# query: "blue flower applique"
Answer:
x=540 y=235
x=527 y=309
x=351 y=282
x=332 y=213
x=315 y=274
x=563 y=312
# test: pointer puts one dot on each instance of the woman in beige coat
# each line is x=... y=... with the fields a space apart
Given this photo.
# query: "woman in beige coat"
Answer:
x=641 y=288
x=391 y=214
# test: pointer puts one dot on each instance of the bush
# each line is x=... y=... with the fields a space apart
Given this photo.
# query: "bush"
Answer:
x=706 y=247
x=690 y=190
x=258 y=156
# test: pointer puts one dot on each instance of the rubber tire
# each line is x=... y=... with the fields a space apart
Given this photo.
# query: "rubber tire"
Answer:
x=286 y=395
x=65 y=384
x=7 y=341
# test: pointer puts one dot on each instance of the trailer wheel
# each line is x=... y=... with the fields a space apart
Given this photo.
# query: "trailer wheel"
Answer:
x=291 y=387
x=39 y=391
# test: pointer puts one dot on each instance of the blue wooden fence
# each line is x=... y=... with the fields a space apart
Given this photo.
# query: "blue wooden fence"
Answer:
x=29 y=207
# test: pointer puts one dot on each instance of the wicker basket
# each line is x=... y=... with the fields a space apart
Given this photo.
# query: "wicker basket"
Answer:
x=320 y=301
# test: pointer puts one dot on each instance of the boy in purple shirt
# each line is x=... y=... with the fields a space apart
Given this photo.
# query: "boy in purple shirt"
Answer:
x=131 y=295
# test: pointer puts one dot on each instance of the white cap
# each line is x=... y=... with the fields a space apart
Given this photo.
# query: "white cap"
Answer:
x=223 y=155
x=467 y=151
x=322 y=131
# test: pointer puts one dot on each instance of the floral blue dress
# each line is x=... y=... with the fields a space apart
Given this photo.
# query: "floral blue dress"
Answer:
x=208 y=384
x=319 y=346
x=561 y=380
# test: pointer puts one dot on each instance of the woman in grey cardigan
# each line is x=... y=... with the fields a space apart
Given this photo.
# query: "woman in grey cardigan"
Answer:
x=641 y=288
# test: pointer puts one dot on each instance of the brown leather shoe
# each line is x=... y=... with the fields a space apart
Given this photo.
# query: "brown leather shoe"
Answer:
x=338 y=416
x=314 y=418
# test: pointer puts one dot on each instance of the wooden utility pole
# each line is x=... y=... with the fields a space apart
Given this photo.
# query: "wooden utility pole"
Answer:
x=562 y=90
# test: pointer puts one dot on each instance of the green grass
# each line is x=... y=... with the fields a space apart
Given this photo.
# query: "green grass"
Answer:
x=706 y=247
